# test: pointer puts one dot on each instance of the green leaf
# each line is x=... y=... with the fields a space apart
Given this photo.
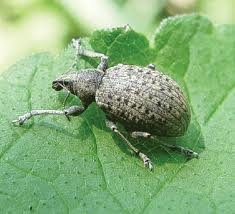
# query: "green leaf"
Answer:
x=50 y=165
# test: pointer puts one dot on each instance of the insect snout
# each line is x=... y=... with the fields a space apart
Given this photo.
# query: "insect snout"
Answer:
x=57 y=85
x=65 y=81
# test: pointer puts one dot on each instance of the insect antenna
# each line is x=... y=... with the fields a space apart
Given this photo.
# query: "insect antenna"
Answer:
x=68 y=93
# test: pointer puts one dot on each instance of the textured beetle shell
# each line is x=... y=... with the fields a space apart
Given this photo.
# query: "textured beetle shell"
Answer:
x=143 y=100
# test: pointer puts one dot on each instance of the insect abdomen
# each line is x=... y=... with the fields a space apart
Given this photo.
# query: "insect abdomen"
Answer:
x=144 y=100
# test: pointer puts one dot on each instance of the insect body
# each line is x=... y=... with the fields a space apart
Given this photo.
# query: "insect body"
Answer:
x=147 y=102
x=143 y=99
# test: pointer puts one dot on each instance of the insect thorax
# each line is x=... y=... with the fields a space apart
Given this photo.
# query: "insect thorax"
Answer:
x=83 y=84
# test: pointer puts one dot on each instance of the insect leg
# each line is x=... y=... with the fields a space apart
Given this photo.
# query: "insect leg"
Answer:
x=127 y=27
x=71 y=111
x=152 y=67
x=83 y=52
x=146 y=160
x=188 y=152
x=141 y=134
x=66 y=98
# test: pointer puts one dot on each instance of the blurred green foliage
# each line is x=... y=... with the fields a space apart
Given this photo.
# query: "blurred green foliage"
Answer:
x=28 y=26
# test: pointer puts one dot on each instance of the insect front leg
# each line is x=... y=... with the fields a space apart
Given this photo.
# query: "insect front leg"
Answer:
x=71 y=111
x=83 y=52
x=146 y=160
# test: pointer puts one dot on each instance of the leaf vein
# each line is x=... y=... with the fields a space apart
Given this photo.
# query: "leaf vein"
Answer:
x=219 y=104
x=102 y=169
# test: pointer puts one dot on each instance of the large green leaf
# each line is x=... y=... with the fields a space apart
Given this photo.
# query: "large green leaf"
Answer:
x=50 y=165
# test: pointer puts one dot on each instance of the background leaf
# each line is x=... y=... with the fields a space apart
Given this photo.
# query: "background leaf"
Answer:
x=52 y=166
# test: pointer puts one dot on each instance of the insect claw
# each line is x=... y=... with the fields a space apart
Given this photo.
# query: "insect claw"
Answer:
x=148 y=164
x=67 y=115
x=14 y=121
x=147 y=161
x=76 y=43
x=20 y=120
x=195 y=155
x=68 y=118
x=191 y=154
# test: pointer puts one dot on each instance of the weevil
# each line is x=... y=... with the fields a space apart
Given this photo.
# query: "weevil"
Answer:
x=147 y=102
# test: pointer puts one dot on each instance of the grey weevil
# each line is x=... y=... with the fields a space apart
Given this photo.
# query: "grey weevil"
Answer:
x=146 y=101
